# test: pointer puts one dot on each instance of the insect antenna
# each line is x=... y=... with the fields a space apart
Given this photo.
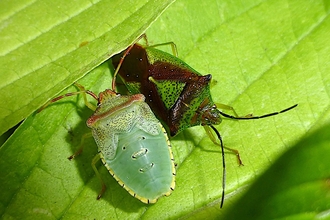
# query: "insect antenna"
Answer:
x=223 y=166
x=118 y=67
x=257 y=117
x=82 y=91
x=123 y=58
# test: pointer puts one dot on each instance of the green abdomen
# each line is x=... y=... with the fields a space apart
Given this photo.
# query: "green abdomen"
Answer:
x=144 y=164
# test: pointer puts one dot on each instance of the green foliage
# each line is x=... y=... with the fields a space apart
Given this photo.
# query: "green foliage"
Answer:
x=263 y=55
x=302 y=183
x=46 y=46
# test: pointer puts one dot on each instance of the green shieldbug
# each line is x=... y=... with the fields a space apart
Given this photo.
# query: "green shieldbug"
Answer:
x=178 y=95
x=132 y=144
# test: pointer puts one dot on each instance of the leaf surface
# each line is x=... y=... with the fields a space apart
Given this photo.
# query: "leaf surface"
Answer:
x=46 y=46
x=264 y=56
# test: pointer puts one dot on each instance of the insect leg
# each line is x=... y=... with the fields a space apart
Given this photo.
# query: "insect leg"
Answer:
x=87 y=103
x=226 y=107
x=81 y=146
x=173 y=46
x=94 y=161
x=214 y=140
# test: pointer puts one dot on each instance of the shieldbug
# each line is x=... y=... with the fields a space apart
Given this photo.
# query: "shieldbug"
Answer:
x=132 y=144
x=178 y=95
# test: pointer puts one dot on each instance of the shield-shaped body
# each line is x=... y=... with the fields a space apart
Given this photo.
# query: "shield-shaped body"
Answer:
x=133 y=145
x=177 y=94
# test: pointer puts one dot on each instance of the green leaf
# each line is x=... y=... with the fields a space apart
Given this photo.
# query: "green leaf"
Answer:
x=46 y=46
x=264 y=56
x=296 y=186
